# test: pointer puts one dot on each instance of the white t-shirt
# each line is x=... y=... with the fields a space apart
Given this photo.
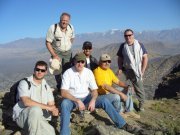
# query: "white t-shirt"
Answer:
x=88 y=63
x=77 y=84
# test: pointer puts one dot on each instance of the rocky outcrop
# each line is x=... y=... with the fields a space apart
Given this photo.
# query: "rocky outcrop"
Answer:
x=157 y=69
x=159 y=118
x=170 y=86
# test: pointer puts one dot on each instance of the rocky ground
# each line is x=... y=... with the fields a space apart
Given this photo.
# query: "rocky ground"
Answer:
x=161 y=117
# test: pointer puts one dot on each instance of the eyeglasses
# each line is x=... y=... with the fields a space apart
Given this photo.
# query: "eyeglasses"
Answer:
x=42 y=70
x=128 y=35
x=106 y=61
x=81 y=61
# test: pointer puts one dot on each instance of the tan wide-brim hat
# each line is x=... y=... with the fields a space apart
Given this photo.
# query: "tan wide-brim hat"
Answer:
x=54 y=66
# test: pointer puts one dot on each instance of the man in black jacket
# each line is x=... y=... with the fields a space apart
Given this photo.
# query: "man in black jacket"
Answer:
x=91 y=62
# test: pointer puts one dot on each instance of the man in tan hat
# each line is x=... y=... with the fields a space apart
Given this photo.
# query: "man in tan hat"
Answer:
x=105 y=78
x=76 y=82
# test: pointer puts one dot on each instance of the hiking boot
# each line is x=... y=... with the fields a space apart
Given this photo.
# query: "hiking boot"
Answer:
x=133 y=115
x=81 y=115
x=141 y=108
x=131 y=129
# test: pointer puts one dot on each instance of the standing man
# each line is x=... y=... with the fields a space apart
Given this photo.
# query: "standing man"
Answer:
x=59 y=40
x=35 y=103
x=91 y=62
x=76 y=82
x=132 y=56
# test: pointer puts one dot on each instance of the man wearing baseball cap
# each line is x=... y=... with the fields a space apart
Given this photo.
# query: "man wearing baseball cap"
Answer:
x=76 y=82
x=105 y=78
x=91 y=62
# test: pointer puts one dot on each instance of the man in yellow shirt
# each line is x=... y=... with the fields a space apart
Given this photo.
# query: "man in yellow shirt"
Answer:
x=105 y=78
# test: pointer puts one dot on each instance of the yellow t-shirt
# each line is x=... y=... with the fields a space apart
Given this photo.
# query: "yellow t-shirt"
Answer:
x=104 y=77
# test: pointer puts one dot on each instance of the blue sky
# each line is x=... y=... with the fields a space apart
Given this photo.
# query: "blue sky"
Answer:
x=32 y=18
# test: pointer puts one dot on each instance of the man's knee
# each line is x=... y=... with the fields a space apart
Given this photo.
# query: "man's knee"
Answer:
x=35 y=111
x=104 y=102
x=65 y=104
x=117 y=97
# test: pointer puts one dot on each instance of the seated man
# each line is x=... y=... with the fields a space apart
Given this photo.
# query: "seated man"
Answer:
x=75 y=83
x=105 y=78
x=35 y=103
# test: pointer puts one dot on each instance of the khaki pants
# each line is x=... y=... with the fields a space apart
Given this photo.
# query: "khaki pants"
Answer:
x=138 y=86
x=32 y=120
x=66 y=63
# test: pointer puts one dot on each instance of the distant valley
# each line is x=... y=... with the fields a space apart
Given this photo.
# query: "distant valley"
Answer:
x=17 y=58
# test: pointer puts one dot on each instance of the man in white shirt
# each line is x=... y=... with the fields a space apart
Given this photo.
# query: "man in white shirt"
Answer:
x=76 y=82
x=59 y=41
x=35 y=103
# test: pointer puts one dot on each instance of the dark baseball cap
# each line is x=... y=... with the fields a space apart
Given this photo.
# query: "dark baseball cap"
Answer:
x=87 y=44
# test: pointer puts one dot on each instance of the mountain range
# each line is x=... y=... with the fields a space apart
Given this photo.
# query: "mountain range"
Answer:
x=17 y=58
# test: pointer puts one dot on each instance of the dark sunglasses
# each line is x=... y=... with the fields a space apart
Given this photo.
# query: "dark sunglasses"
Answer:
x=128 y=35
x=87 y=48
x=38 y=69
x=81 y=61
x=106 y=61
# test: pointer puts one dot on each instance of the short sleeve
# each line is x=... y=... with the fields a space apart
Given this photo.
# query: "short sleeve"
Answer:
x=49 y=93
x=73 y=32
x=50 y=34
x=114 y=77
x=119 y=53
x=23 y=89
x=65 y=81
x=92 y=84
x=144 y=49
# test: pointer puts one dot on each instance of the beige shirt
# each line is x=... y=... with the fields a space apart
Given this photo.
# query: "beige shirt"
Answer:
x=61 y=41
x=39 y=93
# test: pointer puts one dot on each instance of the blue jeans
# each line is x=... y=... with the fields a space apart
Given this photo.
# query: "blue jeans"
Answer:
x=67 y=106
x=128 y=104
x=115 y=100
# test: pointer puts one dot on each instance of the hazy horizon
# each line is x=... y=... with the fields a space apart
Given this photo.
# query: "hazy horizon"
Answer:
x=20 y=18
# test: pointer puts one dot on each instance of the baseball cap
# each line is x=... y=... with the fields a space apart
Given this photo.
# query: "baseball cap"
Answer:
x=87 y=44
x=80 y=56
x=105 y=57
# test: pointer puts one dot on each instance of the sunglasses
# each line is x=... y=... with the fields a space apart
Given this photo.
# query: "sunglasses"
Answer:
x=42 y=70
x=128 y=35
x=106 y=61
x=81 y=61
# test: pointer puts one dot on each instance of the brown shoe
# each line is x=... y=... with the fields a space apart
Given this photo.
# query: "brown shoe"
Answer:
x=132 y=129
x=124 y=115
x=133 y=115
